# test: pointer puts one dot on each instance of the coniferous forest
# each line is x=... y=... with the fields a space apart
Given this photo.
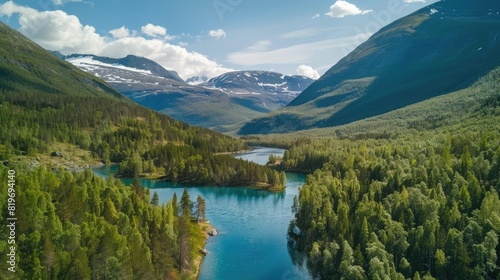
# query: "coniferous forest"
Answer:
x=80 y=226
x=143 y=142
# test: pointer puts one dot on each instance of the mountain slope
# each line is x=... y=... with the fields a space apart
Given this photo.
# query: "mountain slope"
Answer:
x=209 y=105
x=274 y=89
x=439 y=49
x=45 y=100
x=25 y=65
x=378 y=185
x=152 y=86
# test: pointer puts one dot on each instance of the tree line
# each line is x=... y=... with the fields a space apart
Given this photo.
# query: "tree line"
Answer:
x=187 y=165
x=142 y=141
x=418 y=205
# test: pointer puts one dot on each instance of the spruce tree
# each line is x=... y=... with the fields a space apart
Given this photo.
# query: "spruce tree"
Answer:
x=200 y=208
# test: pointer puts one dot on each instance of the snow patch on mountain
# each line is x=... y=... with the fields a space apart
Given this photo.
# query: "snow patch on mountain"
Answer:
x=258 y=83
x=113 y=73
x=88 y=62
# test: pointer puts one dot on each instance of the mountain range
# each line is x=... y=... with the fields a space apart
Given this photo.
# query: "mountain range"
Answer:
x=276 y=89
x=439 y=49
x=221 y=101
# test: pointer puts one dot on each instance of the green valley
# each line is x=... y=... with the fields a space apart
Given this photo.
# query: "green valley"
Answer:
x=392 y=159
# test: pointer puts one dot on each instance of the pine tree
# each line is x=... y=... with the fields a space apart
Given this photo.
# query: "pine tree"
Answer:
x=175 y=206
x=155 y=199
x=186 y=205
x=200 y=209
x=184 y=224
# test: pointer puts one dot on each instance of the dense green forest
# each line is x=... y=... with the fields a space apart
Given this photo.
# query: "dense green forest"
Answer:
x=80 y=226
x=419 y=201
x=120 y=131
x=190 y=166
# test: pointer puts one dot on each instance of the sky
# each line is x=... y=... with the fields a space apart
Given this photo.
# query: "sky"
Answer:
x=209 y=37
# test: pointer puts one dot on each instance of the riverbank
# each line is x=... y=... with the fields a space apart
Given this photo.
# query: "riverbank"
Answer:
x=267 y=187
x=234 y=153
x=199 y=236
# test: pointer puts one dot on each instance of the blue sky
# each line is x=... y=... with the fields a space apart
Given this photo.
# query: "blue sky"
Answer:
x=209 y=37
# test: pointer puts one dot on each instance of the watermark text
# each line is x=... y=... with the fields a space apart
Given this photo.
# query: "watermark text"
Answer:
x=11 y=220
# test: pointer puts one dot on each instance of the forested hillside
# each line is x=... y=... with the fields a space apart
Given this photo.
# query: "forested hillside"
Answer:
x=80 y=226
x=419 y=202
x=143 y=142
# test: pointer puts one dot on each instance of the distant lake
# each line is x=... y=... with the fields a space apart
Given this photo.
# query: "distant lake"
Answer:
x=252 y=223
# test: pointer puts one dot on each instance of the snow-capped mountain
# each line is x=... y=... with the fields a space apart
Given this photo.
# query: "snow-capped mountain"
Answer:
x=197 y=80
x=128 y=71
x=283 y=88
x=222 y=101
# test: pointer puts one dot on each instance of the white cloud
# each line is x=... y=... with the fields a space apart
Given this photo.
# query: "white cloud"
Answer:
x=62 y=2
x=9 y=8
x=218 y=33
x=414 y=1
x=343 y=8
x=261 y=54
x=121 y=32
x=302 y=33
x=307 y=32
x=186 y=63
x=307 y=71
x=154 y=30
x=54 y=30
x=316 y=16
x=58 y=31
x=260 y=46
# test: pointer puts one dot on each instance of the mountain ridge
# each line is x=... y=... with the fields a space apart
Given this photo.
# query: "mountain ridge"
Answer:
x=207 y=104
x=52 y=75
x=133 y=61
x=439 y=49
x=267 y=80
